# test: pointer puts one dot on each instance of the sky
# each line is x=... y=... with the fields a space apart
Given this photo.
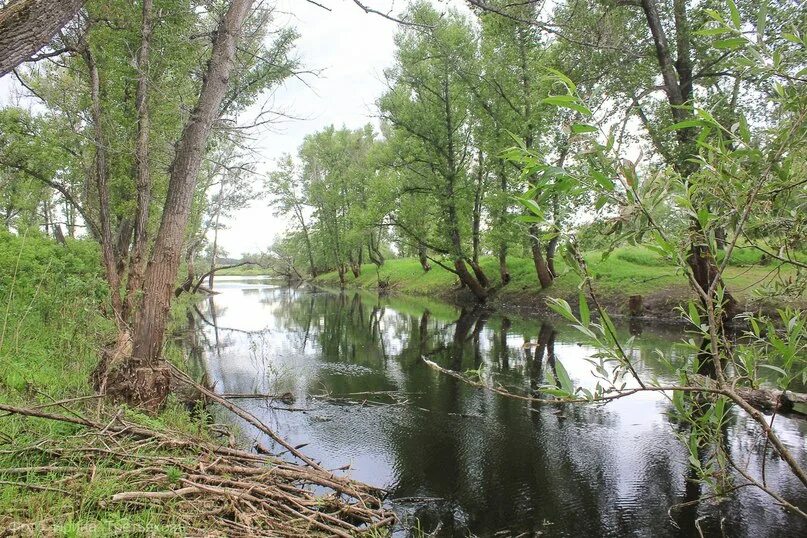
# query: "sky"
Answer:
x=349 y=49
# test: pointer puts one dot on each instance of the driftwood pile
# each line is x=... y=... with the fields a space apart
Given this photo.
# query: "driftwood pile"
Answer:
x=214 y=489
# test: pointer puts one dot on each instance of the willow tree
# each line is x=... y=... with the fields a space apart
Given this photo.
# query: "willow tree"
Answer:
x=428 y=107
x=141 y=155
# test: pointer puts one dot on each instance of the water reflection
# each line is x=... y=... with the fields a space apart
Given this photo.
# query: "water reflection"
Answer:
x=459 y=460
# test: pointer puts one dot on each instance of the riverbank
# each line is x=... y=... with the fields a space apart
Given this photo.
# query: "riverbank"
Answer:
x=75 y=464
x=627 y=272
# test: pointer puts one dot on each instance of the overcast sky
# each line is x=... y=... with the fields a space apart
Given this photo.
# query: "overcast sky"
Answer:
x=350 y=50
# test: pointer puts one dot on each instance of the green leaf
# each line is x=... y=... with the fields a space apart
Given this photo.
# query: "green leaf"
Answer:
x=762 y=17
x=563 y=78
x=730 y=43
x=603 y=180
x=686 y=124
x=713 y=31
x=585 y=314
x=567 y=101
x=555 y=392
x=561 y=307
x=532 y=206
x=563 y=377
x=580 y=128
x=774 y=368
x=694 y=315
x=735 y=14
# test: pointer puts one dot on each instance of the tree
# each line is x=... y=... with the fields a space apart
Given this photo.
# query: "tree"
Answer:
x=428 y=108
x=286 y=190
x=143 y=381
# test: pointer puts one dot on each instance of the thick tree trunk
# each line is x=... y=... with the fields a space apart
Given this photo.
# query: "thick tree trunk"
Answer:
x=504 y=272
x=342 y=271
x=137 y=262
x=122 y=242
x=677 y=78
x=146 y=382
x=541 y=268
x=477 y=211
x=28 y=25
x=480 y=275
x=468 y=280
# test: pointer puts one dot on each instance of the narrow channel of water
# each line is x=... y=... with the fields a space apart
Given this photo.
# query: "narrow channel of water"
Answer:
x=463 y=461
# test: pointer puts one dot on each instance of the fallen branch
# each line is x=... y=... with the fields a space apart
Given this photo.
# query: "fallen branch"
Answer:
x=212 y=489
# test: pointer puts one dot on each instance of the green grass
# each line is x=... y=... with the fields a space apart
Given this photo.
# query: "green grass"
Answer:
x=51 y=332
x=627 y=271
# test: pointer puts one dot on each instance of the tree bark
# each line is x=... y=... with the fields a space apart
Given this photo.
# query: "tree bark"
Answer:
x=424 y=260
x=677 y=78
x=137 y=262
x=147 y=389
x=541 y=268
x=28 y=25
x=100 y=172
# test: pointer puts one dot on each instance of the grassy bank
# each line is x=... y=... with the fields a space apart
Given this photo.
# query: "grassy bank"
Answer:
x=52 y=333
x=627 y=271
x=73 y=464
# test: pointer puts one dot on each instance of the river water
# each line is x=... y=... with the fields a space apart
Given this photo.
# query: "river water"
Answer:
x=462 y=461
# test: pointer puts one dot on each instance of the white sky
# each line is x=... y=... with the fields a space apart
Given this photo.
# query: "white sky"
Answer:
x=350 y=49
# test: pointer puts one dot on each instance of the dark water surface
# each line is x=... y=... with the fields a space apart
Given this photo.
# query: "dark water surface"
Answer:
x=463 y=461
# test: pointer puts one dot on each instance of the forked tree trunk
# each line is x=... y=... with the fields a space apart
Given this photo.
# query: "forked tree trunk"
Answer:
x=677 y=77
x=341 y=270
x=143 y=381
x=137 y=261
x=28 y=25
x=541 y=268
x=480 y=275
x=468 y=280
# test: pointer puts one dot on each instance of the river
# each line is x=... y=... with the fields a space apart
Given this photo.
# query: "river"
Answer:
x=462 y=461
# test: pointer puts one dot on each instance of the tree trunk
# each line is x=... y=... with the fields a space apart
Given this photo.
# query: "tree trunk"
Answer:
x=541 y=268
x=477 y=212
x=146 y=382
x=58 y=234
x=480 y=275
x=137 y=261
x=468 y=280
x=504 y=272
x=677 y=78
x=28 y=25
x=341 y=270
x=100 y=172
x=308 y=247
x=424 y=260
x=551 y=249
